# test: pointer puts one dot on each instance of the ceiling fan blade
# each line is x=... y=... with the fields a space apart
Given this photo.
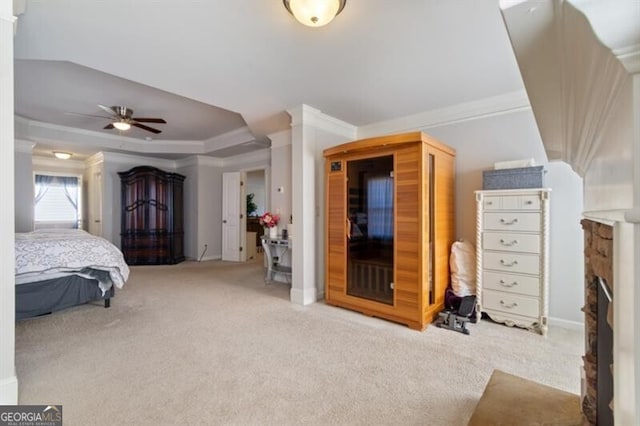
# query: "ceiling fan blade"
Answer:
x=109 y=126
x=87 y=115
x=108 y=110
x=148 y=120
x=147 y=128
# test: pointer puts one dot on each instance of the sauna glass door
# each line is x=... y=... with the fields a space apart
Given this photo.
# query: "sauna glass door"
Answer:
x=370 y=219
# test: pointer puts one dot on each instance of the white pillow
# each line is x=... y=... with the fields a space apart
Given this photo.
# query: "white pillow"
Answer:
x=463 y=268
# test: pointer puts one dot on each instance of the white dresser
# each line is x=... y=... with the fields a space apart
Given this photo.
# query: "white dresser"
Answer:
x=512 y=256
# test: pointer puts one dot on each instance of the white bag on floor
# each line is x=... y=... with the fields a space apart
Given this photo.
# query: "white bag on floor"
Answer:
x=463 y=268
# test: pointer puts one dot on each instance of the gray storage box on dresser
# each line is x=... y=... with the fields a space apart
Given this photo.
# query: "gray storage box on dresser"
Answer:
x=512 y=256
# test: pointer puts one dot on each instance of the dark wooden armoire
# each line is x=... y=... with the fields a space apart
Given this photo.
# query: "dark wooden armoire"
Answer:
x=152 y=217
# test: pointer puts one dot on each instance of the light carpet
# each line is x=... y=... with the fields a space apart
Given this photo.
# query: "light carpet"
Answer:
x=210 y=343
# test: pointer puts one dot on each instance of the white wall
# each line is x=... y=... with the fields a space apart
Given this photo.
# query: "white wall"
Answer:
x=281 y=177
x=24 y=192
x=112 y=202
x=190 y=210
x=209 y=229
x=566 y=244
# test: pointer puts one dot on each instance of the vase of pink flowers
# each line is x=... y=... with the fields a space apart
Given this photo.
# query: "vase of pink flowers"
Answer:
x=270 y=223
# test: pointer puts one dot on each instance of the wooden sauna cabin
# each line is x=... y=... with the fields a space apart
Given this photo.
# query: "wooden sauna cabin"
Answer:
x=389 y=226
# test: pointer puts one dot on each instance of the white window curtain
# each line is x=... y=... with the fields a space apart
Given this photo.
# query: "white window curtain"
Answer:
x=380 y=207
x=56 y=202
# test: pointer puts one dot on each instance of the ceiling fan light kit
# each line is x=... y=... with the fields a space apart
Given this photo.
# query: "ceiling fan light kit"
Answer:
x=121 y=125
x=314 y=13
x=122 y=119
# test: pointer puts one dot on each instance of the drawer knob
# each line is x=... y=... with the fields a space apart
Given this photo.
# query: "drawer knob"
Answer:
x=529 y=202
x=509 y=222
x=512 y=263
x=489 y=203
x=508 y=244
x=506 y=284
x=508 y=306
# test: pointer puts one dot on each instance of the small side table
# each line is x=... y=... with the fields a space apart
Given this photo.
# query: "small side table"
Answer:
x=276 y=252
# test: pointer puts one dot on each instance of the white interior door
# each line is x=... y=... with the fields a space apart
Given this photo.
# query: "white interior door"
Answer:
x=95 y=204
x=231 y=216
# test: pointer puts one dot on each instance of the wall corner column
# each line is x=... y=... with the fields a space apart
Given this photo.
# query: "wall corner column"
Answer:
x=8 y=378
x=311 y=132
x=303 y=281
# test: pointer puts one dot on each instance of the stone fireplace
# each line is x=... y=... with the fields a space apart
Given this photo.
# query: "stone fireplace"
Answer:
x=612 y=258
x=597 y=385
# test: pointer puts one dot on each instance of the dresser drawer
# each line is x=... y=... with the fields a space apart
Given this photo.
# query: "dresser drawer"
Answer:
x=512 y=221
x=527 y=243
x=518 y=202
x=511 y=303
x=512 y=262
x=511 y=283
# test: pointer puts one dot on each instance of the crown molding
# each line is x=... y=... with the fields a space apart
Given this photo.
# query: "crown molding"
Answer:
x=226 y=140
x=24 y=146
x=54 y=134
x=45 y=162
x=280 y=139
x=199 y=160
x=137 y=160
x=306 y=115
x=482 y=108
x=186 y=162
x=260 y=156
x=203 y=160
x=94 y=160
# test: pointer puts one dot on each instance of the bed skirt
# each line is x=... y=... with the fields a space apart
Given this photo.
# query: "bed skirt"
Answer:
x=43 y=297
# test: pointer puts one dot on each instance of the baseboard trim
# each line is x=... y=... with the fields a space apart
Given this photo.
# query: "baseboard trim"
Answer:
x=303 y=297
x=9 y=391
x=214 y=257
x=563 y=323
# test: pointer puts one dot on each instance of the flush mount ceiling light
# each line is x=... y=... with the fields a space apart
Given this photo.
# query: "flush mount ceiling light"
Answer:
x=62 y=155
x=121 y=125
x=314 y=13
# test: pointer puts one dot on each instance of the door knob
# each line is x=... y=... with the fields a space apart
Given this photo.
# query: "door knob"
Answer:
x=224 y=221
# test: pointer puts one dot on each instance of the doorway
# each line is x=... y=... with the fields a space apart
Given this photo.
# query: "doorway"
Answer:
x=245 y=198
x=256 y=200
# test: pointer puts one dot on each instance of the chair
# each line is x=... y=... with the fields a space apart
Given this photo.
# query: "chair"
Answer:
x=273 y=261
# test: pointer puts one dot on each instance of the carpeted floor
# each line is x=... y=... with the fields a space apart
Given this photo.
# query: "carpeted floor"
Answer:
x=209 y=343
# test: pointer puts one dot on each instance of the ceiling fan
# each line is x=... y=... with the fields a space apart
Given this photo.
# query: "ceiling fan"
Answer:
x=122 y=119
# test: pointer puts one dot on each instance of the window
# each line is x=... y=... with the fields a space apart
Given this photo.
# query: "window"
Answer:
x=57 y=201
x=380 y=207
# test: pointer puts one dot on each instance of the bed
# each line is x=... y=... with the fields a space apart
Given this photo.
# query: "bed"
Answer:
x=59 y=268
